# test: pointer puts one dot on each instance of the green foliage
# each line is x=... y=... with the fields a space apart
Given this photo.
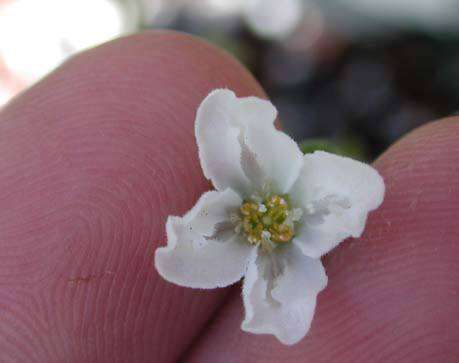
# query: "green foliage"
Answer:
x=349 y=146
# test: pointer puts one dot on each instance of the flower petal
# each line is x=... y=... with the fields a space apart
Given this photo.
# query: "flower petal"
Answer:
x=336 y=194
x=239 y=145
x=277 y=154
x=219 y=149
x=211 y=209
x=194 y=257
x=280 y=292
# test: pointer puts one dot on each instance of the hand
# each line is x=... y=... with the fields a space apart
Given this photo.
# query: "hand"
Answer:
x=93 y=159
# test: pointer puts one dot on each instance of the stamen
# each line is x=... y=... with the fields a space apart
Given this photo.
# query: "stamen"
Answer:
x=269 y=222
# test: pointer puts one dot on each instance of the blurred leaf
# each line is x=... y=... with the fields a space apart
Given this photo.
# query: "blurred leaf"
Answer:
x=311 y=145
x=350 y=146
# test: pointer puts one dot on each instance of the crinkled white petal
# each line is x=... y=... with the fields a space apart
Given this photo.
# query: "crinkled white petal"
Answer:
x=217 y=139
x=278 y=155
x=194 y=257
x=212 y=208
x=280 y=292
x=336 y=194
x=238 y=143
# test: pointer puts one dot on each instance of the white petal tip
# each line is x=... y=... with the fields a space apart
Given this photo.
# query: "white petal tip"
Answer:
x=284 y=339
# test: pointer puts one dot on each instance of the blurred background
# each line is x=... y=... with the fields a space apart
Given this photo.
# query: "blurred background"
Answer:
x=349 y=76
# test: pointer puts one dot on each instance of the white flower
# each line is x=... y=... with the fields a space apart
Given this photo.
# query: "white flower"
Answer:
x=274 y=213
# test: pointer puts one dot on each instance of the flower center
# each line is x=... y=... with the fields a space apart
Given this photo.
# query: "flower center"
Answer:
x=268 y=223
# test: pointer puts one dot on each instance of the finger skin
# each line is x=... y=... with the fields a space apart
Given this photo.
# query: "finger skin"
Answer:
x=92 y=161
x=392 y=294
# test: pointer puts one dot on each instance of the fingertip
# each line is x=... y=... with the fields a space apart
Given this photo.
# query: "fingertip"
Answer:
x=392 y=293
x=93 y=159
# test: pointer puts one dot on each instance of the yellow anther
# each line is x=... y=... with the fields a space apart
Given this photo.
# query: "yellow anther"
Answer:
x=267 y=223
